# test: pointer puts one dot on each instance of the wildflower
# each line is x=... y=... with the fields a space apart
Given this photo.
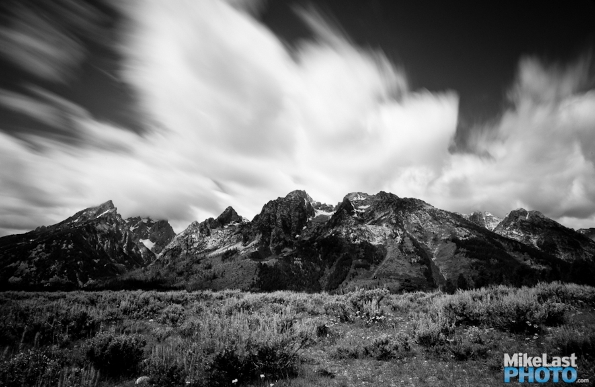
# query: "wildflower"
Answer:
x=234 y=381
x=261 y=376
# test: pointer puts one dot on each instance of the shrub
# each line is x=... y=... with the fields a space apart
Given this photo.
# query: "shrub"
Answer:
x=78 y=377
x=165 y=375
x=521 y=313
x=569 y=340
x=339 y=310
x=513 y=310
x=244 y=345
x=567 y=293
x=30 y=368
x=386 y=347
x=115 y=355
x=41 y=322
x=275 y=360
x=167 y=364
x=469 y=345
x=363 y=300
x=322 y=330
x=431 y=329
x=171 y=315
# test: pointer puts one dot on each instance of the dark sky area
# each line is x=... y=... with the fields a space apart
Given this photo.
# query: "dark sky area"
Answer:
x=469 y=46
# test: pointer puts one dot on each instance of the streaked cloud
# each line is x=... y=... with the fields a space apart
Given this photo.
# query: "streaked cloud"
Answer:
x=241 y=119
x=44 y=38
x=541 y=151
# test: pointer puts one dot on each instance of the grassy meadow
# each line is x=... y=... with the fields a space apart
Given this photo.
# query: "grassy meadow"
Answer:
x=233 y=338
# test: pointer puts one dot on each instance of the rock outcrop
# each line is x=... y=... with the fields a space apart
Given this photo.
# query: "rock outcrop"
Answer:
x=153 y=234
x=483 y=219
x=535 y=229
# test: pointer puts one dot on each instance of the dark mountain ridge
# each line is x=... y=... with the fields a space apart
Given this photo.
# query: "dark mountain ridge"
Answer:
x=296 y=243
x=93 y=244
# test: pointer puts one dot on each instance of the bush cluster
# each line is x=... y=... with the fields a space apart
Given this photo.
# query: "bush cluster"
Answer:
x=514 y=311
x=31 y=368
x=115 y=355
x=207 y=338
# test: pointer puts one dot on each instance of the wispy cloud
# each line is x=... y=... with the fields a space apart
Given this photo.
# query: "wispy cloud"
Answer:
x=541 y=150
x=44 y=38
x=262 y=119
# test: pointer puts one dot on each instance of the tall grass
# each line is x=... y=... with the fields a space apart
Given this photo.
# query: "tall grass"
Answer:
x=210 y=338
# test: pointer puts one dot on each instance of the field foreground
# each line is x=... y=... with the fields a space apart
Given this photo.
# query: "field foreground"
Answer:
x=233 y=338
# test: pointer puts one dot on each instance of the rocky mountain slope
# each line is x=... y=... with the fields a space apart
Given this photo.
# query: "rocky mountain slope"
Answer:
x=535 y=229
x=367 y=241
x=201 y=254
x=298 y=243
x=483 y=219
x=154 y=235
x=93 y=244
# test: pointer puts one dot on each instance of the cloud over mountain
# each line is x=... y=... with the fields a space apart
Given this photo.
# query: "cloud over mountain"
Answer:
x=235 y=116
x=540 y=153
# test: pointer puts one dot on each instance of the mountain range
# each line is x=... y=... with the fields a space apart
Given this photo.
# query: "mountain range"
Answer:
x=300 y=244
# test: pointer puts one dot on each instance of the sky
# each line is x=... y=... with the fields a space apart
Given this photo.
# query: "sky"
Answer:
x=177 y=109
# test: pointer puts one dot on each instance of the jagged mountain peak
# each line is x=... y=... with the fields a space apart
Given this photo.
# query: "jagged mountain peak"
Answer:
x=100 y=209
x=523 y=219
x=107 y=204
x=535 y=229
x=152 y=234
x=89 y=213
x=298 y=193
x=362 y=199
x=521 y=213
x=358 y=196
x=228 y=215
x=484 y=219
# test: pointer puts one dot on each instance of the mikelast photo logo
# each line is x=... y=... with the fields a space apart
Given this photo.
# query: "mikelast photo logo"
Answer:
x=522 y=368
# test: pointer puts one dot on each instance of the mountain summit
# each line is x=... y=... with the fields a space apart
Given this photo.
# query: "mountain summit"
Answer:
x=483 y=219
x=93 y=244
x=535 y=229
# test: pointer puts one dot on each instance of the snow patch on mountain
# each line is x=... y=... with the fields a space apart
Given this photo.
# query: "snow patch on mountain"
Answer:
x=103 y=213
x=321 y=212
x=147 y=243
